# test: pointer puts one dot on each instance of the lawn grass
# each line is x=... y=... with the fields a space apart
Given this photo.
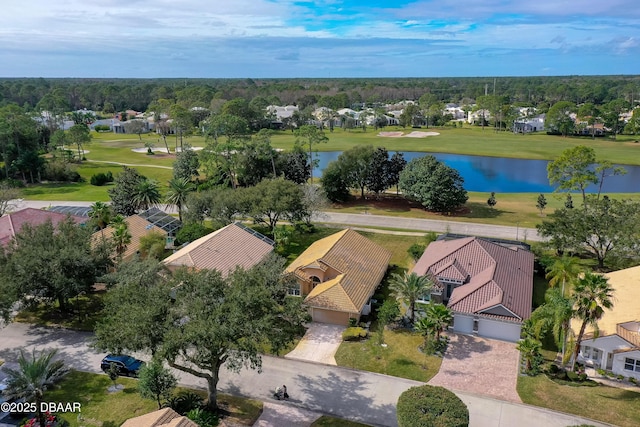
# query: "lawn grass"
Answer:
x=82 y=314
x=608 y=404
x=401 y=357
x=475 y=141
x=515 y=209
x=101 y=408
x=327 y=421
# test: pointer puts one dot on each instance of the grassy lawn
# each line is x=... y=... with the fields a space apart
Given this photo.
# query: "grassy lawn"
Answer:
x=103 y=409
x=327 y=421
x=475 y=141
x=401 y=357
x=512 y=208
x=82 y=313
x=608 y=404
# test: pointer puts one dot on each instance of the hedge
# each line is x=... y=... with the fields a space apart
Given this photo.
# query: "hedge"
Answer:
x=354 y=334
x=429 y=406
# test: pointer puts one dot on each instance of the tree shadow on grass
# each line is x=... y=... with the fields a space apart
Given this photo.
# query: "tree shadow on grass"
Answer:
x=480 y=210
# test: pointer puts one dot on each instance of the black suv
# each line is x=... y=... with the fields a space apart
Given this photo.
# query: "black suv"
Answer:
x=126 y=365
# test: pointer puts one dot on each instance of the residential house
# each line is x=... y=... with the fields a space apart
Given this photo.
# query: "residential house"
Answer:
x=165 y=417
x=338 y=275
x=476 y=117
x=138 y=227
x=225 y=249
x=529 y=124
x=487 y=285
x=12 y=223
x=616 y=346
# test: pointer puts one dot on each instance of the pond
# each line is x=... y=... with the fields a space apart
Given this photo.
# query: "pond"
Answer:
x=504 y=175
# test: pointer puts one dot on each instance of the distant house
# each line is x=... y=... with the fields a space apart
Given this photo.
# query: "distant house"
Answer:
x=225 y=249
x=165 y=417
x=12 y=223
x=338 y=275
x=529 y=124
x=138 y=227
x=616 y=347
x=488 y=286
x=478 y=116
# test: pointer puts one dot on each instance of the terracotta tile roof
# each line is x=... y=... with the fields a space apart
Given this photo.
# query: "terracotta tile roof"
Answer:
x=360 y=262
x=498 y=276
x=223 y=250
x=165 y=417
x=12 y=223
x=138 y=227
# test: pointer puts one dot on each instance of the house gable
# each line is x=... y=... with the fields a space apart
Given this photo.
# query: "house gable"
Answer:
x=499 y=310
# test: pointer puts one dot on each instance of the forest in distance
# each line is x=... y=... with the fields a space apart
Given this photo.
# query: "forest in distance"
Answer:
x=103 y=94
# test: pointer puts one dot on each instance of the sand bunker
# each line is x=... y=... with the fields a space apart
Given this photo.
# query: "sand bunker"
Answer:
x=161 y=149
x=414 y=134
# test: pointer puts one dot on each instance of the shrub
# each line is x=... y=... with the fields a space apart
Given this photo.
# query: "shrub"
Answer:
x=184 y=402
x=60 y=171
x=190 y=232
x=416 y=250
x=203 y=417
x=101 y=179
x=601 y=371
x=553 y=368
x=620 y=377
x=101 y=128
x=572 y=376
x=582 y=377
x=431 y=406
x=632 y=380
x=610 y=374
x=352 y=322
x=354 y=334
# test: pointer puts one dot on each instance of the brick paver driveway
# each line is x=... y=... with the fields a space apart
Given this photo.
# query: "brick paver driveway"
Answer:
x=481 y=366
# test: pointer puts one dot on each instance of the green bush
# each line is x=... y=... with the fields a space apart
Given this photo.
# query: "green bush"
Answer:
x=354 y=334
x=553 y=368
x=429 y=406
x=632 y=380
x=620 y=377
x=600 y=371
x=190 y=232
x=101 y=128
x=572 y=376
x=184 y=402
x=203 y=417
x=353 y=322
x=101 y=179
x=416 y=250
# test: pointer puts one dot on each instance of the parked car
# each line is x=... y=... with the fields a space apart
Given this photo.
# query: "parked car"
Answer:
x=126 y=365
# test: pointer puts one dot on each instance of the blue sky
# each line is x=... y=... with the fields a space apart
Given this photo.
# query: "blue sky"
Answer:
x=327 y=38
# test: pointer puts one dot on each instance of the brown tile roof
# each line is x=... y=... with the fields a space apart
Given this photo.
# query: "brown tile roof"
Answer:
x=138 y=227
x=165 y=417
x=12 y=223
x=499 y=276
x=361 y=262
x=223 y=250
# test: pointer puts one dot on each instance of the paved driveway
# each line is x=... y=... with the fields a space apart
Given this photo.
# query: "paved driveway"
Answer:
x=480 y=366
x=319 y=344
x=277 y=415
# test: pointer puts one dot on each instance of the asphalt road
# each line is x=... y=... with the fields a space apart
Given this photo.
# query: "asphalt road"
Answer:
x=360 y=396
x=362 y=220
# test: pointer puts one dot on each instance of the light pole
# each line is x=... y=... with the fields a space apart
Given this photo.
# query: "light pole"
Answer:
x=517 y=229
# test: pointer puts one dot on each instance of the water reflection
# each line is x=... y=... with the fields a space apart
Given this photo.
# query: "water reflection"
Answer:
x=504 y=175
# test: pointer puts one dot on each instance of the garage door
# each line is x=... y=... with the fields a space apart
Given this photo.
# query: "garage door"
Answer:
x=499 y=330
x=462 y=324
x=330 y=316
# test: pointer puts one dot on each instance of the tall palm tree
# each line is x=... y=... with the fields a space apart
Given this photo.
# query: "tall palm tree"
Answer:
x=409 y=288
x=179 y=189
x=554 y=315
x=147 y=194
x=563 y=271
x=592 y=294
x=100 y=213
x=440 y=316
x=34 y=376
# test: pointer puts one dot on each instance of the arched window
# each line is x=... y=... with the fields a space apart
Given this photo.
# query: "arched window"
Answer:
x=315 y=280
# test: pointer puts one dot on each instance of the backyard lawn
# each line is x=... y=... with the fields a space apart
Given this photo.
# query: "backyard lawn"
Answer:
x=99 y=408
x=608 y=404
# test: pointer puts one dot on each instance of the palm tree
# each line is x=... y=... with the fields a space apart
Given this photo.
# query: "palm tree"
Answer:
x=563 y=271
x=179 y=189
x=34 y=376
x=440 y=316
x=121 y=236
x=555 y=315
x=147 y=194
x=100 y=213
x=592 y=294
x=409 y=288
x=425 y=327
x=530 y=350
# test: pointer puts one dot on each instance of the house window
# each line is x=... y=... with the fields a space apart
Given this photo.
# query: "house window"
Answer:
x=591 y=353
x=631 y=364
x=294 y=290
x=315 y=280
